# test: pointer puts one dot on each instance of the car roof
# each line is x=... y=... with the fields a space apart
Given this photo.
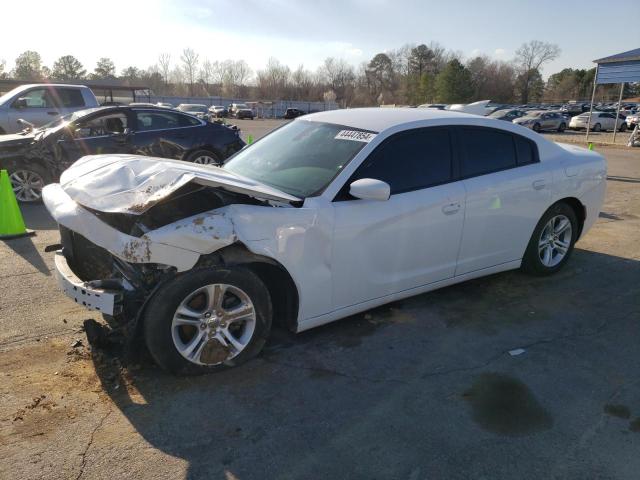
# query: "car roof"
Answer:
x=379 y=119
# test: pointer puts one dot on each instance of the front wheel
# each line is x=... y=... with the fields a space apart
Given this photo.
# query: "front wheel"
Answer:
x=204 y=157
x=536 y=127
x=562 y=127
x=208 y=319
x=597 y=127
x=552 y=241
x=28 y=181
x=623 y=127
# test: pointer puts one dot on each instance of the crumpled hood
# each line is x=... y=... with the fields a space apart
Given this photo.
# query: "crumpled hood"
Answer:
x=133 y=184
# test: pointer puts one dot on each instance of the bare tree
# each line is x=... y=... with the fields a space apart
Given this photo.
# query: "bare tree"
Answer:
x=190 y=65
x=339 y=76
x=164 y=61
x=273 y=80
x=529 y=58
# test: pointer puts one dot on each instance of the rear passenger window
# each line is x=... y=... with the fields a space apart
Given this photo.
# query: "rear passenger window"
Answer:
x=524 y=150
x=69 y=97
x=486 y=151
x=410 y=160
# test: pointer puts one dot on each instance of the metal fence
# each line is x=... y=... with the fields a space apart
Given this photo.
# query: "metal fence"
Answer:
x=263 y=109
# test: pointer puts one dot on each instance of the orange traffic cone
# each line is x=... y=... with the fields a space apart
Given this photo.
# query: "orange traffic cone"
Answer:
x=11 y=222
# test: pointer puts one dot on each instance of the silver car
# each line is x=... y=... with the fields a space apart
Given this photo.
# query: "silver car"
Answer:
x=39 y=104
x=542 y=120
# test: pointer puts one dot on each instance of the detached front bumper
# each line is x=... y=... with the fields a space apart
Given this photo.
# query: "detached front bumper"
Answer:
x=105 y=301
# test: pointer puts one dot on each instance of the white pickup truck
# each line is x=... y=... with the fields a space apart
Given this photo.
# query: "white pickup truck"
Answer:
x=42 y=103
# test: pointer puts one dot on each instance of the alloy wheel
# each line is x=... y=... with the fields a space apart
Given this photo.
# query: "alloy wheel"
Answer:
x=554 y=241
x=213 y=324
x=27 y=185
x=205 y=160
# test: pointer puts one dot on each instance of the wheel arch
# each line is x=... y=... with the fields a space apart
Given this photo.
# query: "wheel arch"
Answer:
x=278 y=281
x=579 y=209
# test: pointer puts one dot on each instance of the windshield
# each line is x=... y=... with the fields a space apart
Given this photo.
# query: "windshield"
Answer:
x=500 y=113
x=241 y=105
x=534 y=114
x=300 y=159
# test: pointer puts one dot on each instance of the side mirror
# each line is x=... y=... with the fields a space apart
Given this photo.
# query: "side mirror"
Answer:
x=370 y=189
x=20 y=103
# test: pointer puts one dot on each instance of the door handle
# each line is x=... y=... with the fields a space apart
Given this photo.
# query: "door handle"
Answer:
x=53 y=113
x=538 y=184
x=450 y=208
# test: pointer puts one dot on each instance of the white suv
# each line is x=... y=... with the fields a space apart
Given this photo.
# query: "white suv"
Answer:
x=42 y=103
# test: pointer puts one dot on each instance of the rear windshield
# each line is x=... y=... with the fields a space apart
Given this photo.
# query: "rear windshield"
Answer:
x=301 y=158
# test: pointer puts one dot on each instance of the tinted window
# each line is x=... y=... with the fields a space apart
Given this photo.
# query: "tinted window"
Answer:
x=148 y=120
x=188 y=121
x=525 y=150
x=69 y=97
x=486 y=151
x=410 y=160
x=108 y=124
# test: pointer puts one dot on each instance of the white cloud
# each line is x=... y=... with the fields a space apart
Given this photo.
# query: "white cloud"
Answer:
x=499 y=52
x=475 y=52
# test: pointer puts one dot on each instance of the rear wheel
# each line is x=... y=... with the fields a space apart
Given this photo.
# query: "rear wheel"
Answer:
x=597 y=127
x=204 y=157
x=207 y=320
x=552 y=241
x=623 y=127
x=562 y=127
x=536 y=127
x=28 y=181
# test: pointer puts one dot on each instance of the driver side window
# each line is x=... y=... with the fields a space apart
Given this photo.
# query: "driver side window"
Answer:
x=410 y=160
x=101 y=126
x=36 y=98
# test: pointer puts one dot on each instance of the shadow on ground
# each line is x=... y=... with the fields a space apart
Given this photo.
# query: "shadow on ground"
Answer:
x=422 y=388
x=36 y=217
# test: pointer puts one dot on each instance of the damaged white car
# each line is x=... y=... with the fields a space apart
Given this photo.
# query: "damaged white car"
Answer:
x=330 y=215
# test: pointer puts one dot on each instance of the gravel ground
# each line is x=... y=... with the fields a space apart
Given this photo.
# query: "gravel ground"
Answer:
x=421 y=389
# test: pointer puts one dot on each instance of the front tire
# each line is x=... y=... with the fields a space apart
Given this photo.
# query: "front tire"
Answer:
x=562 y=127
x=536 y=127
x=552 y=241
x=204 y=157
x=597 y=127
x=623 y=127
x=208 y=319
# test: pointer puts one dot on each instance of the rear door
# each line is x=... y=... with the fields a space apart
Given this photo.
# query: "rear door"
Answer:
x=68 y=100
x=507 y=191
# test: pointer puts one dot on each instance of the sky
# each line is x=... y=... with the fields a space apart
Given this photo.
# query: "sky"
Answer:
x=135 y=32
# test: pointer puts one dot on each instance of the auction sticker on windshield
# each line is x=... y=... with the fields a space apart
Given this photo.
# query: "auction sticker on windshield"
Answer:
x=355 y=135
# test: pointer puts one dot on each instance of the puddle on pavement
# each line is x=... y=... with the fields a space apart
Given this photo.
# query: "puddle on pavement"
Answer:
x=504 y=405
x=620 y=411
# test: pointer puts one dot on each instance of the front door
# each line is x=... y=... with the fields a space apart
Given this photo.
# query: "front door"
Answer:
x=36 y=106
x=105 y=132
x=412 y=239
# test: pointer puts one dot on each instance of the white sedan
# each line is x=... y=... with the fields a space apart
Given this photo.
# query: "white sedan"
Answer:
x=600 y=121
x=330 y=215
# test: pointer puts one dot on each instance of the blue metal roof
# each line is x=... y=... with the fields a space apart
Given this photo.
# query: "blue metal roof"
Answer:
x=621 y=57
x=620 y=68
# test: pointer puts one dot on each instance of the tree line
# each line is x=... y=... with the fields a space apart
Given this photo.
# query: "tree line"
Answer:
x=411 y=74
